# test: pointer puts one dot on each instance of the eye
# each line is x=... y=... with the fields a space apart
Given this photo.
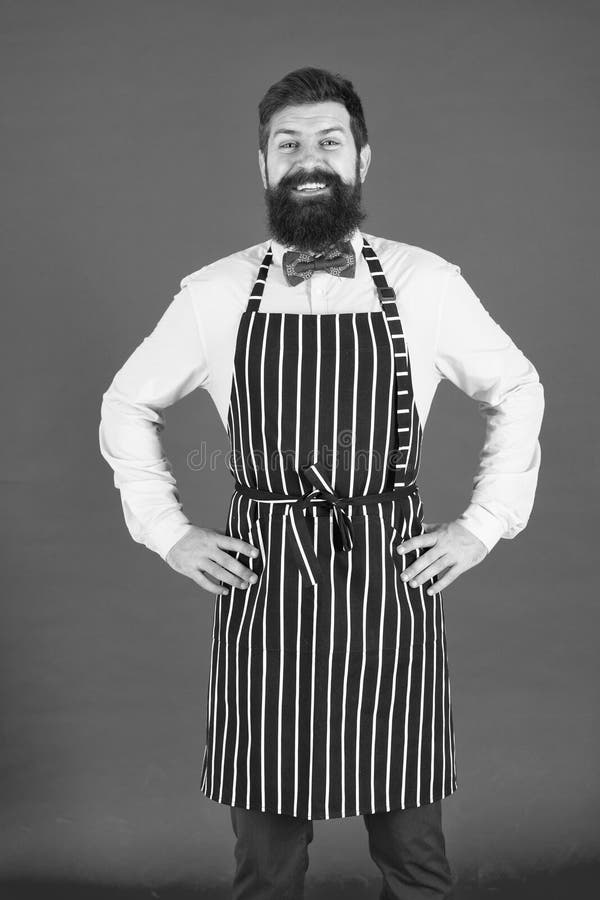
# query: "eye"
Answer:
x=292 y=143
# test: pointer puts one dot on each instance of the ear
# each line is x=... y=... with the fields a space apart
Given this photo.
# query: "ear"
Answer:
x=263 y=168
x=365 y=161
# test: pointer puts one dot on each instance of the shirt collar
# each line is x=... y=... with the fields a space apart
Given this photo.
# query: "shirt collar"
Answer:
x=356 y=240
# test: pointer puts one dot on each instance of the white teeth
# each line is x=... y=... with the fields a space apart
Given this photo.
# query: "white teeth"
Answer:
x=310 y=187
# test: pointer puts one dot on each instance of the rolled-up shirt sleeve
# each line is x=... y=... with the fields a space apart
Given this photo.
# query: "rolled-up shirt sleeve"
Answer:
x=479 y=357
x=169 y=363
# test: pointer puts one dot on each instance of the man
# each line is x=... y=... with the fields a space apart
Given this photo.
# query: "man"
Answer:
x=322 y=348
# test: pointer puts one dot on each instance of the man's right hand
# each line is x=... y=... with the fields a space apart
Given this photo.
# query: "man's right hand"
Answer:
x=202 y=555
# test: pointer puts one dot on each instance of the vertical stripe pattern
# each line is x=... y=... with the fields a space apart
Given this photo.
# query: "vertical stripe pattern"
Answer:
x=329 y=699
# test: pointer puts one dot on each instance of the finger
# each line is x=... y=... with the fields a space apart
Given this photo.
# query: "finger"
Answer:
x=429 y=571
x=218 y=572
x=419 y=540
x=234 y=565
x=207 y=583
x=421 y=566
x=226 y=542
x=450 y=576
x=425 y=555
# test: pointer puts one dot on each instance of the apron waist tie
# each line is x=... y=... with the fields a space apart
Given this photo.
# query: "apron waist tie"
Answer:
x=323 y=493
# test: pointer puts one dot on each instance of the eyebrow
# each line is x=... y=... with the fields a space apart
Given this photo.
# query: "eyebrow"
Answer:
x=323 y=130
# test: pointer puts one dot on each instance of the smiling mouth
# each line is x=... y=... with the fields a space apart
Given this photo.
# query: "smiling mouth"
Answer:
x=311 y=188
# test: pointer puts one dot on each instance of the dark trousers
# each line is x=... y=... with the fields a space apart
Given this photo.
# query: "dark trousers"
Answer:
x=407 y=845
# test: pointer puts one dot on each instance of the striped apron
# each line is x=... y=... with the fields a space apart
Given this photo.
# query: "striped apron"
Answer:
x=328 y=691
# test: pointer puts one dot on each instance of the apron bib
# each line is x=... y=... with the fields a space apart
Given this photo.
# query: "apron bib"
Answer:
x=328 y=692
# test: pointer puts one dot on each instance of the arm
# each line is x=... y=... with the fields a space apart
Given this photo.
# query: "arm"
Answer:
x=480 y=358
x=168 y=364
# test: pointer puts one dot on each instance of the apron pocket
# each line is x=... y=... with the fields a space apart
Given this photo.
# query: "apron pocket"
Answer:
x=418 y=608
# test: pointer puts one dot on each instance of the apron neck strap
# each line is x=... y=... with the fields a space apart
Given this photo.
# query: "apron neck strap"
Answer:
x=386 y=293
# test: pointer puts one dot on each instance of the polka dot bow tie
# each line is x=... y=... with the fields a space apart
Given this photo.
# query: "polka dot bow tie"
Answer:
x=298 y=265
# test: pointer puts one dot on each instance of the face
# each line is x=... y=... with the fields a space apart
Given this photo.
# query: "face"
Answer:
x=312 y=144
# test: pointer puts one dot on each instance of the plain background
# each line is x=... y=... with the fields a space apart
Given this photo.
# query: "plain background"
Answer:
x=131 y=160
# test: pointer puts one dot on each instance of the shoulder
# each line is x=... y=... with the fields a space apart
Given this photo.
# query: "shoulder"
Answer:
x=233 y=270
x=408 y=263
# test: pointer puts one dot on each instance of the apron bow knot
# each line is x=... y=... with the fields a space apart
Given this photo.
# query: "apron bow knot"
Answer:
x=322 y=492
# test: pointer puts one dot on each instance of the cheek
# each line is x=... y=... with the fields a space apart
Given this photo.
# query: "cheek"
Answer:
x=348 y=168
x=272 y=173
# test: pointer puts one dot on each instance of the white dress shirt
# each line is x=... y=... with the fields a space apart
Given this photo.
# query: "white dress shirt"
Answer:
x=448 y=332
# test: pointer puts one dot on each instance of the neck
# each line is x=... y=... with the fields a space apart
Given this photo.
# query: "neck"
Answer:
x=347 y=238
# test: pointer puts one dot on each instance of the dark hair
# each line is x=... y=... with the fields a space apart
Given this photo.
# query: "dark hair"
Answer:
x=311 y=85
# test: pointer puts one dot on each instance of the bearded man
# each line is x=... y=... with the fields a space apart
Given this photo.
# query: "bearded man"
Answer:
x=322 y=347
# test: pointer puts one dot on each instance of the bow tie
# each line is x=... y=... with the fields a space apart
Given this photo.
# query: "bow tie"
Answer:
x=298 y=265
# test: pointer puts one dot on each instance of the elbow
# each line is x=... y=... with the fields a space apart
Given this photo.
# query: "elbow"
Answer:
x=524 y=399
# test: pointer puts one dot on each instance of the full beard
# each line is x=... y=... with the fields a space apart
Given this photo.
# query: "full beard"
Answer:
x=314 y=223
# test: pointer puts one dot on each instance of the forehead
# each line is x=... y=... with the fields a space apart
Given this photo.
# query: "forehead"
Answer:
x=311 y=117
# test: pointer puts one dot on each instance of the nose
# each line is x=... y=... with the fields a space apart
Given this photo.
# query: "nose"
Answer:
x=311 y=158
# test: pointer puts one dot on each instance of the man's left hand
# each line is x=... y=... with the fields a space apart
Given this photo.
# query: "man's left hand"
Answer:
x=452 y=550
